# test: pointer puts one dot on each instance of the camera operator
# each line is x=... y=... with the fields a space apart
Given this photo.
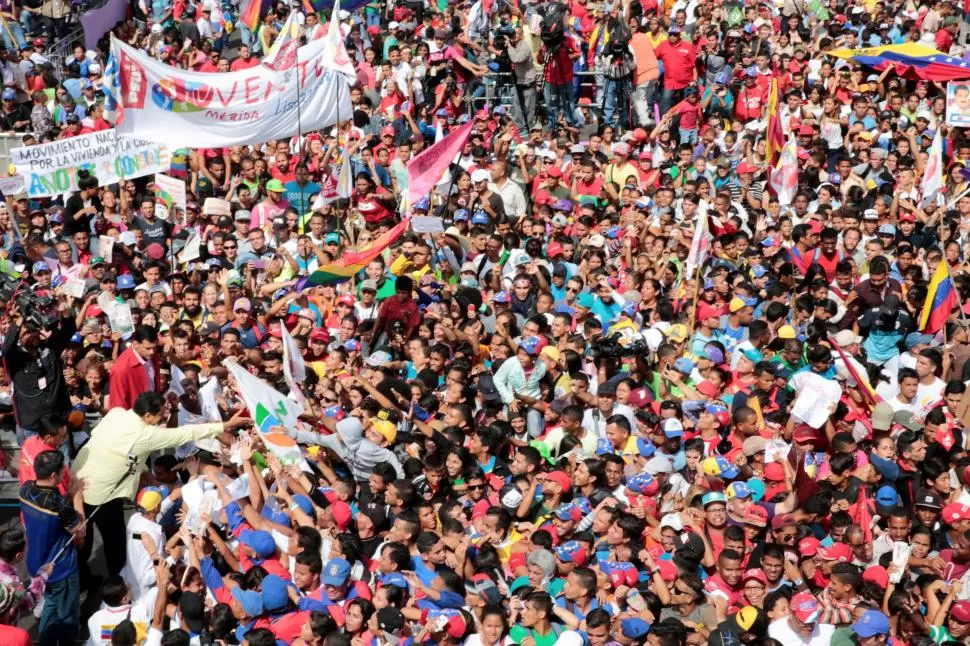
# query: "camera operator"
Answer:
x=524 y=70
x=619 y=64
x=32 y=359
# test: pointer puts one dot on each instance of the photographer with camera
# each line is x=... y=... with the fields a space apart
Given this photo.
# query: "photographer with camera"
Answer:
x=618 y=64
x=31 y=350
x=524 y=70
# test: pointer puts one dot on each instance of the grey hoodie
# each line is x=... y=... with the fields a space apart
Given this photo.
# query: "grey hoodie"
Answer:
x=358 y=453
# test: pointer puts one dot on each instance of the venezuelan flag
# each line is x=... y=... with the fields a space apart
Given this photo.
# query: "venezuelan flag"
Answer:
x=941 y=298
x=911 y=61
x=776 y=135
x=351 y=263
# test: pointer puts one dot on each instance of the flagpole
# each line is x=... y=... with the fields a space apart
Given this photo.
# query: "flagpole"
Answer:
x=299 y=133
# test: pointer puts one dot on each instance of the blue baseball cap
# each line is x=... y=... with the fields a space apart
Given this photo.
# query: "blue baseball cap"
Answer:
x=684 y=365
x=562 y=308
x=645 y=448
x=502 y=297
x=585 y=300
x=738 y=490
x=757 y=488
x=634 y=628
x=872 y=622
x=461 y=215
x=423 y=204
x=394 y=578
x=570 y=551
x=758 y=271
x=9 y=94
x=336 y=573
x=275 y=596
x=126 y=281
x=886 y=496
x=708 y=284
x=672 y=427
x=712 y=497
x=480 y=217
x=642 y=483
x=251 y=602
x=531 y=344
x=259 y=541
x=40 y=266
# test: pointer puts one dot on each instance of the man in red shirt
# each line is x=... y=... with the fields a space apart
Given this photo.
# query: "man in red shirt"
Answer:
x=50 y=436
x=558 y=74
x=245 y=61
x=752 y=98
x=680 y=67
x=945 y=37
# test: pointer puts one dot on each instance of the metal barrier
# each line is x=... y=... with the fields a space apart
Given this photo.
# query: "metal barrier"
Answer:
x=8 y=141
x=499 y=89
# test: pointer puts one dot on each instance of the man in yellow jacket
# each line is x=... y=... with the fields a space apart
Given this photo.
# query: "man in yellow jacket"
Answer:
x=111 y=464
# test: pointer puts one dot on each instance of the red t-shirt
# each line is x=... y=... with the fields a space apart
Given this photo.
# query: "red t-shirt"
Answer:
x=679 y=61
x=28 y=453
x=690 y=115
x=240 y=64
x=13 y=636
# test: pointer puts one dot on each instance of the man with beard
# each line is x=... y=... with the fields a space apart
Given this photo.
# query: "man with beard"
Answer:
x=192 y=306
x=608 y=303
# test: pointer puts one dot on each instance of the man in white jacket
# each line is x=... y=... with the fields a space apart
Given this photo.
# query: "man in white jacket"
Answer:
x=517 y=382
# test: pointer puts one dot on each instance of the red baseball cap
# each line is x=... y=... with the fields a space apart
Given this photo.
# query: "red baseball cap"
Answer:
x=956 y=511
x=346 y=299
x=804 y=605
x=808 y=546
x=836 y=552
x=561 y=479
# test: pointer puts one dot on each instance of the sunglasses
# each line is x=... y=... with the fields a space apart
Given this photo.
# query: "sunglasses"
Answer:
x=476 y=487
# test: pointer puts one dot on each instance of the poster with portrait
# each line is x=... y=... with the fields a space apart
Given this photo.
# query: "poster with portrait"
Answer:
x=958 y=104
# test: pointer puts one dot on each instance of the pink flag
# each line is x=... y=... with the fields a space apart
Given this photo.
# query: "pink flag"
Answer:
x=424 y=171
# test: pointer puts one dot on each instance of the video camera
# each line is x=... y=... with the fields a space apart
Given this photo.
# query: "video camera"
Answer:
x=609 y=347
x=39 y=310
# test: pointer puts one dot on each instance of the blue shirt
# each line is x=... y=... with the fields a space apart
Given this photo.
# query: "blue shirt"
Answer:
x=47 y=516
x=293 y=195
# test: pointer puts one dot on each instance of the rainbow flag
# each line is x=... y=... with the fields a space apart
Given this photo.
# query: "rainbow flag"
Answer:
x=776 y=135
x=351 y=263
x=941 y=298
x=252 y=15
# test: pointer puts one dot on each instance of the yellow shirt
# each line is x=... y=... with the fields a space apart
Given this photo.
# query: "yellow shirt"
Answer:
x=104 y=459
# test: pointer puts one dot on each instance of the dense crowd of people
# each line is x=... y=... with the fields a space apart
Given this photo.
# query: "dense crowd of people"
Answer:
x=631 y=391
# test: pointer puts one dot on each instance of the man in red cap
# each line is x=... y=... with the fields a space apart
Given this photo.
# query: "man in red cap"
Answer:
x=802 y=626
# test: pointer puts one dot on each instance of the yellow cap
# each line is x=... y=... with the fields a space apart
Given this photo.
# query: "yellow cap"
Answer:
x=746 y=617
x=678 y=333
x=787 y=332
x=386 y=429
x=551 y=352
x=736 y=305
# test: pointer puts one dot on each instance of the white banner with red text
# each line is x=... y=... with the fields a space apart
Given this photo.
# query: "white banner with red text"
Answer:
x=198 y=110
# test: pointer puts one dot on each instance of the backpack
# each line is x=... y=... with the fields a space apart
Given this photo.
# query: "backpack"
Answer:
x=552 y=26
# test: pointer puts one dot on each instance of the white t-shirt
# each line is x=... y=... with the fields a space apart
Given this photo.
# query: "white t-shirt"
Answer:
x=139 y=571
x=781 y=630
x=927 y=395
x=104 y=620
